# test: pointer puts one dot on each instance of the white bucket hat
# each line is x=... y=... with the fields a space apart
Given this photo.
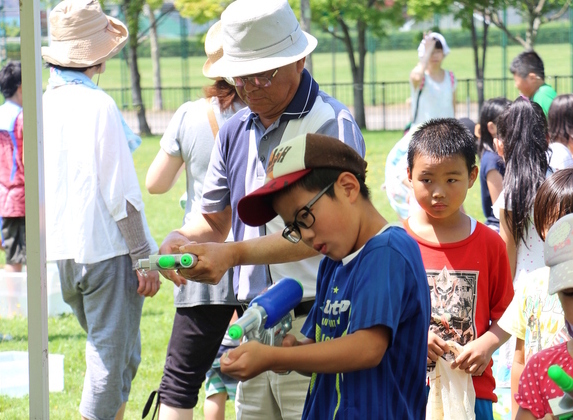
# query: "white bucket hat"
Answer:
x=82 y=35
x=260 y=35
x=213 y=49
x=438 y=37
x=558 y=254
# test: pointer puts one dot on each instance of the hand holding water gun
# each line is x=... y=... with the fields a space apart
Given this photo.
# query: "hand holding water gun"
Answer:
x=268 y=318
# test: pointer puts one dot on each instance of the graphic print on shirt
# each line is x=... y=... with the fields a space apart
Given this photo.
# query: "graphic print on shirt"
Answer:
x=453 y=295
x=545 y=322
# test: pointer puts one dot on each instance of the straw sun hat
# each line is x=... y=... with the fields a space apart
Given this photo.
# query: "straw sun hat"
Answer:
x=260 y=35
x=213 y=49
x=82 y=35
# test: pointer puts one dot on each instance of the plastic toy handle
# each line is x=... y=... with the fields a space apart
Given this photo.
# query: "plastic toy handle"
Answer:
x=186 y=260
x=562 y=379
x=166 y=262
x=235 y=332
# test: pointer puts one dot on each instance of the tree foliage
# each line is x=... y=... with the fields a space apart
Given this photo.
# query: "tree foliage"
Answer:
x=534 y=13
x=201 y=11
x=349 y=21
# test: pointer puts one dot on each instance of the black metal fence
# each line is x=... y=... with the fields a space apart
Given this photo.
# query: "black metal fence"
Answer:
x=387 y=104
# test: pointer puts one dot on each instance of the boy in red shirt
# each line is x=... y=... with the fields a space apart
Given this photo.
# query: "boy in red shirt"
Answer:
x=466 y=263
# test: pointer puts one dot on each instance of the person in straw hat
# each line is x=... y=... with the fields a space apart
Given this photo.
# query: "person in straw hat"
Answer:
x=264 y=56
x=203 y=311
x=95 y=226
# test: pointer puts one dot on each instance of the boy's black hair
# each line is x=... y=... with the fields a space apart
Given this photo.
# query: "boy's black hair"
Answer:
x=560 y=118
x=438 y=45
x=320 y=178
x=490 y=112
x=527 y=62
x=441 y=138
x=522 y=128
x=554 y=199
x=10 y=78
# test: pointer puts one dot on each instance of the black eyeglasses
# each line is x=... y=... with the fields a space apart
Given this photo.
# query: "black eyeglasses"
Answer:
x=303 y=219
x=258 y=81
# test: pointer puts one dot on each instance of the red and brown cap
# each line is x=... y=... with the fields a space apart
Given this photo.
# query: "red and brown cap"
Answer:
x=292 y=160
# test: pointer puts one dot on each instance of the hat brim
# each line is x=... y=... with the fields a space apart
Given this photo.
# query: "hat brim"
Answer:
x=231 y=67
x=255 y=209
x=88 y=52
x=561 y=277
x=208 y=71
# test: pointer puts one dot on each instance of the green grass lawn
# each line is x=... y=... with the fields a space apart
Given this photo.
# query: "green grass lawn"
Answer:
x=163 y=214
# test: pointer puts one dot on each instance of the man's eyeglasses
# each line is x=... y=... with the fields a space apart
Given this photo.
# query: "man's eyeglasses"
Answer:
x=303 y=219
x=258 y=81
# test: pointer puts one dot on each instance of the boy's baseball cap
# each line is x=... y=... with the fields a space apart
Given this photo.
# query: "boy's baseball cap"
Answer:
x=558 y=253
x=292 y=160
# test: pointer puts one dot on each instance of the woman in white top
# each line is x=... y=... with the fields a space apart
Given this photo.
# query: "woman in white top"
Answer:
x=522 y=143
x=95 y=225
x=432 y=88
x=560 y=132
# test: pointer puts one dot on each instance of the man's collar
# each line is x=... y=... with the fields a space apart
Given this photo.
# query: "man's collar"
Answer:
x=301 y=103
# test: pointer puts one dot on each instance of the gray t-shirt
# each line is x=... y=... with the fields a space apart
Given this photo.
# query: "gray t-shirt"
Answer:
x=190 y=137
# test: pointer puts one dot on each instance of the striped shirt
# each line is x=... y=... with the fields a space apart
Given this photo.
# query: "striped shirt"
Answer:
x=383 y=283
x=237 y=167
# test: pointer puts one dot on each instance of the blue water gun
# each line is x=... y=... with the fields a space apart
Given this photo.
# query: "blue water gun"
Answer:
x=267 y=318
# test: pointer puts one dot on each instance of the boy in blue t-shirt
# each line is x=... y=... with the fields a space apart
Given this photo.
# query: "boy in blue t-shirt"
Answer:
x=366 y=347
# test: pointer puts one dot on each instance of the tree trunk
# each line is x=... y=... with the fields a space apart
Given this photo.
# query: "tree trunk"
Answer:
x=481 y=97
x=478 y=68
x=136 y=96
x=155 y=59
x=305 y=18
x=357 y=70
x=132 y=10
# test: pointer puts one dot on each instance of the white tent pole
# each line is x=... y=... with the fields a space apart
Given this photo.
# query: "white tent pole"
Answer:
x=35 y=221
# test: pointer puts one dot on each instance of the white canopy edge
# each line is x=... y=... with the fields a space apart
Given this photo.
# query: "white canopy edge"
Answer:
x=35 y=220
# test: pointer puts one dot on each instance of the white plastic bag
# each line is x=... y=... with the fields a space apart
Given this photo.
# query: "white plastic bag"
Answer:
x=452 y=395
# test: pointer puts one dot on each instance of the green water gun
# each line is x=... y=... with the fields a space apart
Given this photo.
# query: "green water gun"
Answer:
x=168 y=262
x=562 y=407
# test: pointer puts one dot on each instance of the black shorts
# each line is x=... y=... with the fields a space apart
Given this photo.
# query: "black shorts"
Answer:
x=14 y=239
x=194 y=343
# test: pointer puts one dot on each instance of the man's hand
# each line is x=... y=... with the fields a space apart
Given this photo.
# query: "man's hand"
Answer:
x=149 y=283
x=171 y=245
x=214 y=260
x=474 y=357
x=246 y=361
x=436 y=347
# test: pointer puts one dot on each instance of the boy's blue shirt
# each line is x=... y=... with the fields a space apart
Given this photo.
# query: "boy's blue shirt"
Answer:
x=384 y=283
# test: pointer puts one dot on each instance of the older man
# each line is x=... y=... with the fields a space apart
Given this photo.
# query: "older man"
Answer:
x=264 y=56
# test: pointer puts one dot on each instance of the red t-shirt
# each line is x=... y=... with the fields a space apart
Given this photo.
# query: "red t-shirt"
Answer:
x=470 y=286
x=535 y=388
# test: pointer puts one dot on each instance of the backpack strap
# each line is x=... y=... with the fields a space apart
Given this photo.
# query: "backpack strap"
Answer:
x=149 y=404
x=418 y=98
x=15 y=147
x=212 y=118
x=452 y=78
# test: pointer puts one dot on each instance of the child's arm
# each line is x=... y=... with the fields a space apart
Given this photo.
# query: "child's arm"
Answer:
x=417 y=74
x=494 y=182
x=362 y=349
x=476 y=354
x=524 y=414
x=517 y=368
x=507 y=236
